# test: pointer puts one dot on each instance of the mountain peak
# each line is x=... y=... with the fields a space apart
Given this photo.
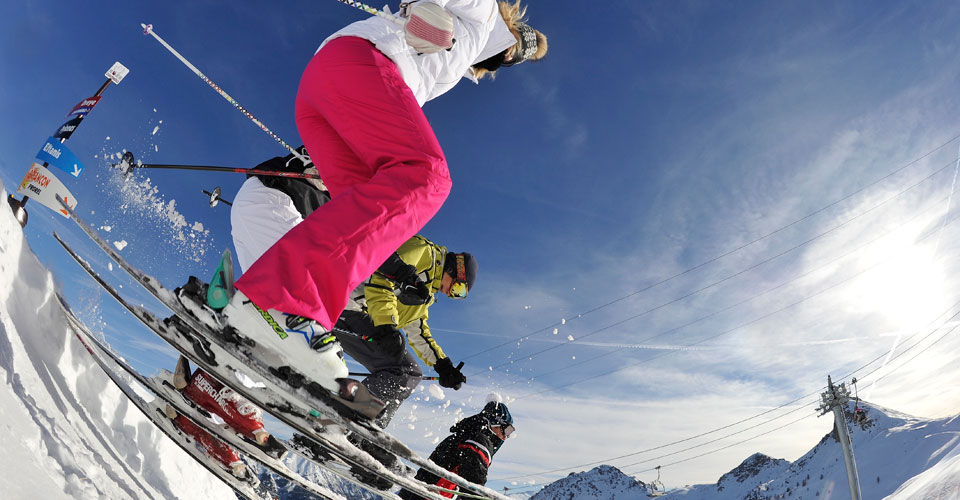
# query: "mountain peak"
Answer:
x=603 y=482
x=751 y=467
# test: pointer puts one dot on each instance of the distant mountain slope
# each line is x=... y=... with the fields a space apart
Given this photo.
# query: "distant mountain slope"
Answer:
x=600 y=483
x=899 y=457
x=890 y=448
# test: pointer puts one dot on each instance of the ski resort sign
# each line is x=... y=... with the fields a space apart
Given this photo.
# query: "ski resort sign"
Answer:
x=55 y=153
x=41 y=185
x=66 y=130
x=116 y=73
x=84 y=107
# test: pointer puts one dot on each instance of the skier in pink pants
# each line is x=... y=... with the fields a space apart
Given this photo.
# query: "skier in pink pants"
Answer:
x=358 y=112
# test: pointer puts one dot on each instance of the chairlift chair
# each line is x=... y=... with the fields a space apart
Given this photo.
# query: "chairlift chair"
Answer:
x=658 y=489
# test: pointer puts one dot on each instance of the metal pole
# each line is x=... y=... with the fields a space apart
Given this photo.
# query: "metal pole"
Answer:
x=148 y=30
x=833 y=400
x=236 y=170
x=18 y=205
x=373 y=11
x=362 y=374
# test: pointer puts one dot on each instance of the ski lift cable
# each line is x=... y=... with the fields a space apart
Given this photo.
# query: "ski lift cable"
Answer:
x=904 y=351
x=724 y=437
x=554 y=388
x=730 y=252
x=766 y=316
x=853 y=380
x=813 y=393
x=759 y=435
x=706 y=453
x=660 y=447
x=708 y=338
x=711 y=452
x=711 y=285
x=754 y=297
x=805 y=416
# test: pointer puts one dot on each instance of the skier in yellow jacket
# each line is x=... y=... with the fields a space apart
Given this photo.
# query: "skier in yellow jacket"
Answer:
x=396 y=301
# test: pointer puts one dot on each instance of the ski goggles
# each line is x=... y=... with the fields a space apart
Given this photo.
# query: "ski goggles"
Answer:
x=507 y=430
x=458 y=289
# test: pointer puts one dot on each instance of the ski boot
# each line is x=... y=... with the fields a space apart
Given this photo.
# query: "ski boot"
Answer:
x=207 y=393
x=219 y=451
x=298 y=348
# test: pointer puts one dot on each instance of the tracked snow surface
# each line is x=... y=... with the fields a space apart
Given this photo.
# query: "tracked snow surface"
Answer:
x=69 y=431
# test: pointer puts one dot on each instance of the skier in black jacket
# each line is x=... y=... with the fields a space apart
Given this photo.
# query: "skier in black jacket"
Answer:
x=469 y=450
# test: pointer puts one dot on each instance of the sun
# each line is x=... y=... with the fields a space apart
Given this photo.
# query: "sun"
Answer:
x=907 y=286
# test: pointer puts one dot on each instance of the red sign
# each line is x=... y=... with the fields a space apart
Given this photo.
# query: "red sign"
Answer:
x=84 y=106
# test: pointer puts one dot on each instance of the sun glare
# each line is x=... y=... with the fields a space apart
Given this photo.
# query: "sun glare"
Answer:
x=907 y=287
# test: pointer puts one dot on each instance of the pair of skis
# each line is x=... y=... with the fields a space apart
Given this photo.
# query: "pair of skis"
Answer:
x=155 y=412
x=166 y=393
x=296 y=407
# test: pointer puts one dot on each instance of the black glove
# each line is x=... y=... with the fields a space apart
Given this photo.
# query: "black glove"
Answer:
x=450 y=377
x=414 y=294
x=389 y=340
x=413 y=291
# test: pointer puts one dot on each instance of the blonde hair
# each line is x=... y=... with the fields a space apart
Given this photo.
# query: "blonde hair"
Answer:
x=513 y=14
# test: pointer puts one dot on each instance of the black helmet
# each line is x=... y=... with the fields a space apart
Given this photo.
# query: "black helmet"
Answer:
x=497 y=414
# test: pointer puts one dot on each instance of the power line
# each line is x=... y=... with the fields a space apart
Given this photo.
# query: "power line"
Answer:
x=711 y=452
x=730 y=252
x=712 y=337
x=730 y=307
x=712 y=431
x=727 y=278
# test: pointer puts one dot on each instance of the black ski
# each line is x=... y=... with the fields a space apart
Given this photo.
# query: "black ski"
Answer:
x=270 y=399
x=156 y=415
x=171 y=396
x=334 y=410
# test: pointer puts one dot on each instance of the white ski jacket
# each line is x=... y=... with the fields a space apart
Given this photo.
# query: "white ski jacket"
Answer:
x=479 y=31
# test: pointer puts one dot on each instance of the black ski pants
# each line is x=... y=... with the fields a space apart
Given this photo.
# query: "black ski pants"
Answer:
x=391 y=379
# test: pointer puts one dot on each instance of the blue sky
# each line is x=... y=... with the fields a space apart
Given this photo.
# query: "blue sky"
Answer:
x=754 y=157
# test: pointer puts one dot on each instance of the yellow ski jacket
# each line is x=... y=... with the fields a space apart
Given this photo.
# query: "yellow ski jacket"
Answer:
x=384 y=308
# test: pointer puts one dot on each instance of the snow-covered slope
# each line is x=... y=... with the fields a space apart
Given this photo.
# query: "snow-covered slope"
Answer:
x=890 y=449
x=69 y=432
x=899 y=457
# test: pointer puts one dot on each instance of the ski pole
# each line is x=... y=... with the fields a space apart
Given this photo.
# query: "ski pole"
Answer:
x=128 y=163
x=370 y=10
x=148 y=30
x=361 y=374
x=237 y=170
x=215 y=197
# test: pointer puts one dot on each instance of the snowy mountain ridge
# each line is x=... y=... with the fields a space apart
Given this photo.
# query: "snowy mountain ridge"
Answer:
x=604 y=482
x=899 y=457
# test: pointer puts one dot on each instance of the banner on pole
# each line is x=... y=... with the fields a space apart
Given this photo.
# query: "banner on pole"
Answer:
x=58 y=155
x=41 y=185
x=66 y=130
x=116 y=72
x=84 y=106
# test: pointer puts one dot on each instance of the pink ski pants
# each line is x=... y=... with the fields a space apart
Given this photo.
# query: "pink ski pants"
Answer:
x=386 y=173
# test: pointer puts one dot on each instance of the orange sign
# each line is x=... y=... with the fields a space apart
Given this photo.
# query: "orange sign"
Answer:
x=40 y=184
